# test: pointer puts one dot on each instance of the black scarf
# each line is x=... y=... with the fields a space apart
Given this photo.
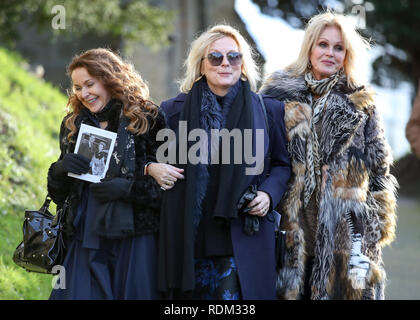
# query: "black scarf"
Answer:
x=108 y=112
x=179 y=205
x=214 y=111
x=114 y=219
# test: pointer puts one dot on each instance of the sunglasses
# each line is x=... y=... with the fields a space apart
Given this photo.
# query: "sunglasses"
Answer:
x=216 y=58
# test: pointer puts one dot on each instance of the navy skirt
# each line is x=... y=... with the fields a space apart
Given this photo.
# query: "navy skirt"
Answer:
x=98 y=268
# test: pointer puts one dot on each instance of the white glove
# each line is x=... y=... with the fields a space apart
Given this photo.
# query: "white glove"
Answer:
x=359 y=264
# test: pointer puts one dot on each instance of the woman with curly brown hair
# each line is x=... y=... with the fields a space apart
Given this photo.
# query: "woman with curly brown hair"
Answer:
x=111 y=225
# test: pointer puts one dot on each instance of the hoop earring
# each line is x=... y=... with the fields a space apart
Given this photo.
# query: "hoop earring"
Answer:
x=199 y=78
x=309 y=66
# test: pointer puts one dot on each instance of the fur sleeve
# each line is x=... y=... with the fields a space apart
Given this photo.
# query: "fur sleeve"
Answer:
x=382 y=185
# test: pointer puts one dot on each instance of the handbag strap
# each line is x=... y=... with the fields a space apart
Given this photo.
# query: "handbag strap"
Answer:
x=46 y=204
x=264 y=110
x=267 y=124
x=277 y=216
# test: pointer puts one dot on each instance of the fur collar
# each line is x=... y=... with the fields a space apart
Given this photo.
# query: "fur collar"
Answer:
x=281 y=85
x=347 y=108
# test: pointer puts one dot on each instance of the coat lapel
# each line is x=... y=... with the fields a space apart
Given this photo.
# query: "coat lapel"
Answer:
x=258 y=123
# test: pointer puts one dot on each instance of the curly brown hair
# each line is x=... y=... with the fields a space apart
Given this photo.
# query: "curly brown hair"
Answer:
x=121 y=80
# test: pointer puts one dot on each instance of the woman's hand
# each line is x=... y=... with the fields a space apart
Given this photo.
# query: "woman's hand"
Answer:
x=165 y=174
x=260 y=205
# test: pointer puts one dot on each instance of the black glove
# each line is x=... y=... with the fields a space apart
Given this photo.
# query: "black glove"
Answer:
x=252 y=223
x=249 y=195
x=111 y=189
x=72 y=162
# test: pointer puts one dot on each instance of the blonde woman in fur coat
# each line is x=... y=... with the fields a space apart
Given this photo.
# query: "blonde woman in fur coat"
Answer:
x=340 y=209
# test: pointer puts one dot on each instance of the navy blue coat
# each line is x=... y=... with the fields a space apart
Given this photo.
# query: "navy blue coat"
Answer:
x=255 y=255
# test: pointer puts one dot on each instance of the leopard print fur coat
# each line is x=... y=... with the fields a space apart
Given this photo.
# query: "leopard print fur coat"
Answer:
x=355 y=179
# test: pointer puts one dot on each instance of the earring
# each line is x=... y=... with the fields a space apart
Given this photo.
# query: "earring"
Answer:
x=309 y=66
x=199 y=77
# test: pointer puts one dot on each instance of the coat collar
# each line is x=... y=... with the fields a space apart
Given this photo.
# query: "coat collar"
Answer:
x=180 y=97
x=346 y=109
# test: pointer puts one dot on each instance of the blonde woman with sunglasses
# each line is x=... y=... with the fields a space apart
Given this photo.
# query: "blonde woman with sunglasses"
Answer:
x=214 y=242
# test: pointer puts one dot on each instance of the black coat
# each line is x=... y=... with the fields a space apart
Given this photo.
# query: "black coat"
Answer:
x=145 y=194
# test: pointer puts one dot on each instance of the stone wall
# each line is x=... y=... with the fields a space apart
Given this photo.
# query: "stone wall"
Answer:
x=161 y=69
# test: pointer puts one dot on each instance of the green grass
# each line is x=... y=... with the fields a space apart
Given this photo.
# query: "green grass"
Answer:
x=30 y=114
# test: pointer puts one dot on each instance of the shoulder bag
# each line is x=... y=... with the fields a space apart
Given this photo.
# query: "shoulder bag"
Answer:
x=280 y=235
x=43 y=244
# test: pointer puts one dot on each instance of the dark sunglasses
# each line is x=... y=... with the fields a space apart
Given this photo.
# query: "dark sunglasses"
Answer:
x=216 y=58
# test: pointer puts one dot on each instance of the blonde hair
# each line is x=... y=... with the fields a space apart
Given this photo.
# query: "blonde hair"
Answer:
x=355 y=45
x=121 y=80
x=199 y=46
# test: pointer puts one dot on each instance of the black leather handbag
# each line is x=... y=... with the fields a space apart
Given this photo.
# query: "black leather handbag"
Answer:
x=43 y=244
